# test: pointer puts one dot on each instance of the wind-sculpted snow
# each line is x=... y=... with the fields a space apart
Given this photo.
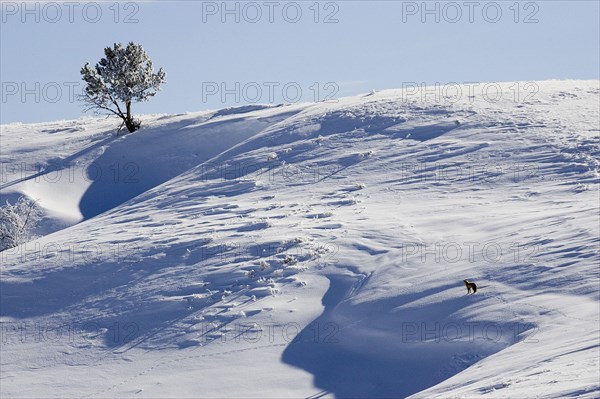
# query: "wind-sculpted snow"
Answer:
x=311 y=250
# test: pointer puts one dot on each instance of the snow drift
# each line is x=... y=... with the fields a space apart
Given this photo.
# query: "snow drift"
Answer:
x=310 y=250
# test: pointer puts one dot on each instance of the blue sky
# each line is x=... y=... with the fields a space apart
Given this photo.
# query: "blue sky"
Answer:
x=284 y=51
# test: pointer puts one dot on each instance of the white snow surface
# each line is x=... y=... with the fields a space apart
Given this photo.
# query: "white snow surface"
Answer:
x=310 y=251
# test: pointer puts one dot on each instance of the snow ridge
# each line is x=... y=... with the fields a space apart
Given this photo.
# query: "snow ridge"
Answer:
x=310 y=250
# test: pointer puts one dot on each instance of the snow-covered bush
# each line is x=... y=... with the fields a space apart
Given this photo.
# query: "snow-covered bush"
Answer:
x=123 y=76
x=17 y=222
x=289 y=260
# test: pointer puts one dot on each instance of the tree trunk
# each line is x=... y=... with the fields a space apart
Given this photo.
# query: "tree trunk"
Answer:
x=131 y=125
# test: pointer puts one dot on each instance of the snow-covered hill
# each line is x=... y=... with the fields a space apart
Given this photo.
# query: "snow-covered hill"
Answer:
x=311 y=250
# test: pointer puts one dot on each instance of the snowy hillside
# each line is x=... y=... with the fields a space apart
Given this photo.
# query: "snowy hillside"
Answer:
x=311 y=251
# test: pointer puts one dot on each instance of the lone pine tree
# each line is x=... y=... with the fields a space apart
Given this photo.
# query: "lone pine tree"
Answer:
x=123 y=76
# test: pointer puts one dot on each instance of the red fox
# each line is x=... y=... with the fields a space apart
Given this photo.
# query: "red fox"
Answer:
x=470 y=286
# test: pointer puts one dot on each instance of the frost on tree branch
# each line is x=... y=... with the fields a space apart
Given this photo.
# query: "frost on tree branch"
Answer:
x=123 y=76
x=17 y=222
